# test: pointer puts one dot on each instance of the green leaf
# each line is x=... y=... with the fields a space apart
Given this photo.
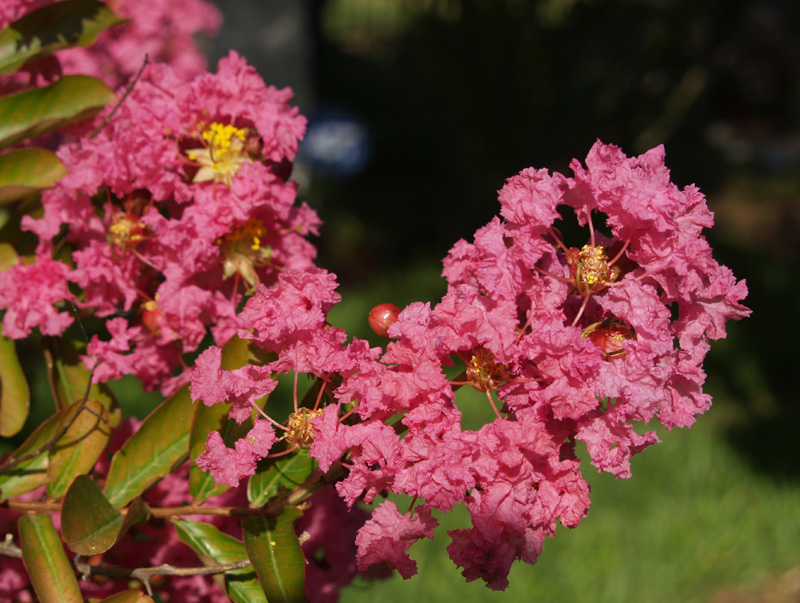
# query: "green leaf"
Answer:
x=32 y=473
x=158 y=448
x=28 y=171
x=133 y=595
x=14 y=393
x=277 y=475
x=71 y=99
x=276 y=555
x=69 y=377
x=90 y=525
x=78 y=449
x=216 y=548
x=47 y=564
x=59 y=25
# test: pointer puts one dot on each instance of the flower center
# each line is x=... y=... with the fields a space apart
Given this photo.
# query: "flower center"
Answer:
x=301 y=432
x=221 y=155
x=590 y=269
x=127 y=230
x=483 y=373
x=242 y=251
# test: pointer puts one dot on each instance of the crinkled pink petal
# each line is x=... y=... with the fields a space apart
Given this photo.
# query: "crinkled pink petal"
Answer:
x=386 y=537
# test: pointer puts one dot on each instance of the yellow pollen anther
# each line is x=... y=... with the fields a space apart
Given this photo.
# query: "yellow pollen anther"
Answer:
x=242 y=251
x=222 y=154
x=301 y=432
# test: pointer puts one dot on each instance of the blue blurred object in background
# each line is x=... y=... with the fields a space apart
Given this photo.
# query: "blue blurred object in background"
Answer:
x=337 y=143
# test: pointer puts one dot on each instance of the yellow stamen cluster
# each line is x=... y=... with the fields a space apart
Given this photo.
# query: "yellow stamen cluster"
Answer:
x=127 y=230
x=593 y=265
x=483 y=373
x=301 y=433
x=242 y=251
x=222 y=154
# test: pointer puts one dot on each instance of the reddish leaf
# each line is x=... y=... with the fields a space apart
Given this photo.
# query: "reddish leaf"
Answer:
x=89 y=524
x=276 y=555
x=48 y=567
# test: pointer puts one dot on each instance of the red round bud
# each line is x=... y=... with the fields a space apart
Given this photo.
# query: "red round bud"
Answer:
x=381 y=317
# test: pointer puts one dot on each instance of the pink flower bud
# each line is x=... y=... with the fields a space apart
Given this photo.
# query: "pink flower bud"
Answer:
x=381 y=317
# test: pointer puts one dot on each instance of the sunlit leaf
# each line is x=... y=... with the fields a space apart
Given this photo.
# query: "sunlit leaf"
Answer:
x=216 y=548
x=157 y=449
x=25 y=172
x=90 y=525
x=47 y=564
x=71 y=99
x=276 y=555
x=50 y=28
x=78 y=449
x=14 y=393
x=8 y=256
x=128 y=596
x=32 y=473
x=276 y=475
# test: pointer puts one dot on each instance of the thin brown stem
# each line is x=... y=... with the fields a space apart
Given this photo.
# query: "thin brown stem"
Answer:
x=121 y=100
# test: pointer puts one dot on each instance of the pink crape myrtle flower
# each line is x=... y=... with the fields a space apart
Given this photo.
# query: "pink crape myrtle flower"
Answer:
x=568 y=343
x=176 y=210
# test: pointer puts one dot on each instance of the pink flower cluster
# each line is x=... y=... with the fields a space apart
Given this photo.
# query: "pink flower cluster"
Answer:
x=164 y=31
x=173 y=212
x=575 y=330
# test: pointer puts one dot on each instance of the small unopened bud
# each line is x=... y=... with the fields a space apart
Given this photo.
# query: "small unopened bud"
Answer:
x=381 y=317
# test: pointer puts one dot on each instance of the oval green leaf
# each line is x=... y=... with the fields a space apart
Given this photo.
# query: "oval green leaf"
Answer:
x=47 y=564
x=89 y=524
x=15 y=396
x=50 y=28
x=277 y=475
x=28 y=171
x=71 y=99
x=78 y=449
x=216 y=548
x=158 y=448
x=31 y=473
x=276 y=555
